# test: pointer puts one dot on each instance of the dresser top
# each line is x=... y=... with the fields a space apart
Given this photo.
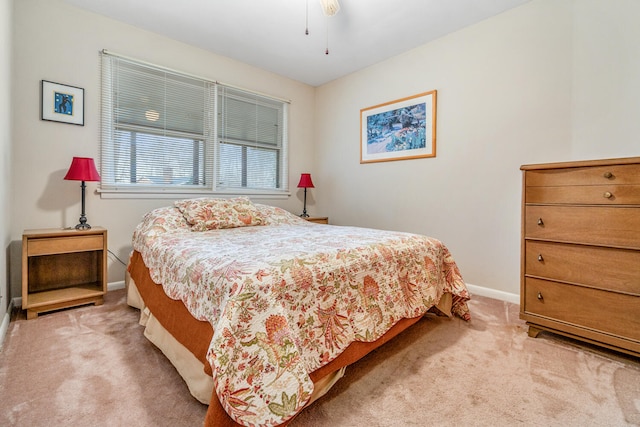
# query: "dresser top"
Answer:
x=583 y=163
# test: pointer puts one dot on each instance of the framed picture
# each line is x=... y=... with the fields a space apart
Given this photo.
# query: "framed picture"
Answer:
x=399 y=130
x=62 y=103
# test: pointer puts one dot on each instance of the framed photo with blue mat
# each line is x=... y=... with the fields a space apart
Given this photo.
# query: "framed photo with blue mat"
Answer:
x=62 y=103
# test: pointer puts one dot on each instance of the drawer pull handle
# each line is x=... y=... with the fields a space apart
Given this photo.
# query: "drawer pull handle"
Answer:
x=608 y=175
x=540 y=296
x=540 y=222
x=540 y=258
x=607 y=195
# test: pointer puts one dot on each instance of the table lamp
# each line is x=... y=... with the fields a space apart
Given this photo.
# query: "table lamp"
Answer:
x=82 y=169
x=305 y=182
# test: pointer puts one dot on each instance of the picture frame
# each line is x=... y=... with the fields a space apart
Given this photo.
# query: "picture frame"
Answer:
x=61 y=103
x=399 y=130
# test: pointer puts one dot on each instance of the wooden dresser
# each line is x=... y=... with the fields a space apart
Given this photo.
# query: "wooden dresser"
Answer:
x=580 y=264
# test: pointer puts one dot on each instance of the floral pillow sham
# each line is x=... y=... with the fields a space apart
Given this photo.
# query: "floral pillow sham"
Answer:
x=212 y=214
x=276 y=216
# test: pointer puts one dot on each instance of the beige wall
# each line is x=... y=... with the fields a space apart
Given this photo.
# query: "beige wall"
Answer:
x=606 y=78
x=46 y=49
x=511 y=90
x=5 y=153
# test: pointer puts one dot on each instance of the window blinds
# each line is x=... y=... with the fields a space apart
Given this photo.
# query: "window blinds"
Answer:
x=167 y=131
x=251 y=148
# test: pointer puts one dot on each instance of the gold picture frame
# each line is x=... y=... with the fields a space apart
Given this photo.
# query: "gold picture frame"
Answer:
x=399 y=130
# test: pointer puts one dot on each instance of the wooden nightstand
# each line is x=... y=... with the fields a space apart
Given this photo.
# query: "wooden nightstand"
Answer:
x=318 y=219
x=63 y=268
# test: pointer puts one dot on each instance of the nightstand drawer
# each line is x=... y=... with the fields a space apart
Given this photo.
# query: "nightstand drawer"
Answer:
x=598 y=175
x=56 y=245
x=612 y=226
x=318 y=219
x=598 y=310
x=585 y=195
x=599 y=267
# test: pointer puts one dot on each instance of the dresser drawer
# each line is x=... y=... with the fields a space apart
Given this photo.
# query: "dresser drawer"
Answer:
x=585 y=194
x=599 y=267
x=608 y=312
x=597 y=175
x=611 y=226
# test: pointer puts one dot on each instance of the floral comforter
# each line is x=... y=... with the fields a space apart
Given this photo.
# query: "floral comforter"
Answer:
x=287 y=297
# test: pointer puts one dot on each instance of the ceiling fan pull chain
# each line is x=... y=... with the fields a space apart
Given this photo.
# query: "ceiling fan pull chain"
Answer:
x=306 y=30
x=326 y=52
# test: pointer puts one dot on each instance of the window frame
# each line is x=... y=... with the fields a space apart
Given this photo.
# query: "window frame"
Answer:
x=212 y=138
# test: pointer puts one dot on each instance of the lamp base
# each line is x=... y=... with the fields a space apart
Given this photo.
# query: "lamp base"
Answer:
x=83 y=219
x=304 y=210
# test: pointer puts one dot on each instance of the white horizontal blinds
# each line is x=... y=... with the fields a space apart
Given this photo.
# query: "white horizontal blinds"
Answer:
x=165 y=131
x=252 y=141
x=156 y=126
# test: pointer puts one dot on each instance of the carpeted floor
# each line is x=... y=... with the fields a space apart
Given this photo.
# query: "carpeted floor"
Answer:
x=91 y=366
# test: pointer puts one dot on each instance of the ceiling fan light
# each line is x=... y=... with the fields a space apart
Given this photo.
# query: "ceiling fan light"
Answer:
x=330 y=7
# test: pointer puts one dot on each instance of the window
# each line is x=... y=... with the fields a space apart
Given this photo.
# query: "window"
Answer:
x=250 y=129
x=167 y=132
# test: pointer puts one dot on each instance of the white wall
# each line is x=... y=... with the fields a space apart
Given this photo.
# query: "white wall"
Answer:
x=508 y=92
x=606 y=79
x=5 y=154
x=57 y=42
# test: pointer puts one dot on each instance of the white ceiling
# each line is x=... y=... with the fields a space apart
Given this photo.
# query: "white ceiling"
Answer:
x=270 y=34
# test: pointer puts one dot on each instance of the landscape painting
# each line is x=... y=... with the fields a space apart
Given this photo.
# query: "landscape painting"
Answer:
x=399 y=130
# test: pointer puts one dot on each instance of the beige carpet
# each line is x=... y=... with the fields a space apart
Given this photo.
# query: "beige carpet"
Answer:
x=91 y=366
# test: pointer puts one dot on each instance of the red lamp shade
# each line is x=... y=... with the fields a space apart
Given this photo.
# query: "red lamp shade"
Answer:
x=82 y=169
x=305 y=181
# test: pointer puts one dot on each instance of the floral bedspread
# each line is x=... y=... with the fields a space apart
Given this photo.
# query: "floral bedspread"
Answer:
x=288 y=297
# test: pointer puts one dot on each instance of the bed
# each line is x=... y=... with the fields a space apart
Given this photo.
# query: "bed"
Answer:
x=261 y=311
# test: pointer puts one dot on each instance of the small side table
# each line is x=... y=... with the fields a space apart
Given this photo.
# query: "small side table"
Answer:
x=318 y=219
x=63 y=268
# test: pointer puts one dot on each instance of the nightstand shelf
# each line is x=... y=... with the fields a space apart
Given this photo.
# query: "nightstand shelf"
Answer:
x=63 y=268
x=63 y=296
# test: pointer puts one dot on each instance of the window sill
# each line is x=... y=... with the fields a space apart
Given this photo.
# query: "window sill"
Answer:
x=176 y=194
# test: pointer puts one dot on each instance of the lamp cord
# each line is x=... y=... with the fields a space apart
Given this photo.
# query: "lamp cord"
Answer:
x=116 y=257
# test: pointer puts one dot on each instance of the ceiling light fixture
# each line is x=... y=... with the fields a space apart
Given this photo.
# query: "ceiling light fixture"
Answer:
x=330 y=7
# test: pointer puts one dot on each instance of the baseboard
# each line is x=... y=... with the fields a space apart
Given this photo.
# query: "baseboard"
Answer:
x=493 y=293
x=112 y=286
x=4 y=327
